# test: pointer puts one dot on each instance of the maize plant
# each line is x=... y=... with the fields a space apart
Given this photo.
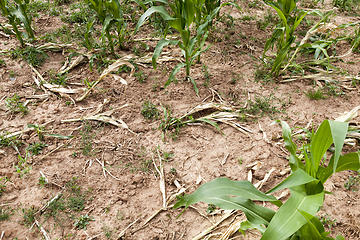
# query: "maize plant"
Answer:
x=295 y=218
x=16 y=15
x=184 y=14
x=283 y=35
x=109 y=14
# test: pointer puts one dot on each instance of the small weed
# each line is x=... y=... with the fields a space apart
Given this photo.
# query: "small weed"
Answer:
x=2 y=63
x=120 y=215
x=29 y=216
x=149 y=110
x=140 y=76
x=167 y=156
x=5 y=214
x=240 y=160
x=262 y=73
x=83 y=221
x=173 y=170
x=211 y=208
x=35 y=148
x=14 y=105
x=261 y=105
x=3 y=185
x=86 y=139
x=42 y=181
x=12 y=141
x=58 y=79
x=352 y=183
x=107 y=231
x=326 y=220
x=207 y=75
x=22 y=166
x=315 y=95
x=76 y=202
x=31 y=55
x=73 y=187
x=13 y=74
x=170 y=123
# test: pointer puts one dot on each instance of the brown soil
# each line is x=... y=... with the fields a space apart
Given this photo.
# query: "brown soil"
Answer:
x=200 y=152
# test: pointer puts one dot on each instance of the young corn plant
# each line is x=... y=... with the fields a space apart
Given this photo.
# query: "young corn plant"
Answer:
x=283 y=35
x=16 y=15
x=109 y=14
x=295 y=218
x=184 y=14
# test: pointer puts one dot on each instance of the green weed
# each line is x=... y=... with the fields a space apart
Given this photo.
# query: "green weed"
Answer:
x=5 y=214
x=83 y=221
x=31 y=55
x=353 y=183
x=326 y=220
x=315 y=95
x=35 y=148
x=29 y=215
x=140 y=76
x=86 y=139
x=207 y=75
x=14 y=105
x=12 y=142
x=210 y=208
x=3 y=185
x=2 y=63
x=22 y=167
x=149 y=111
x=42 y=181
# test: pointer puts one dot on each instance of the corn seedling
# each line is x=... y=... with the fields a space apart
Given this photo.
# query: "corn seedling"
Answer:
x=295 y=218
x=110 y=14
x=283 y=35
x=185 y=13
x=16 y=15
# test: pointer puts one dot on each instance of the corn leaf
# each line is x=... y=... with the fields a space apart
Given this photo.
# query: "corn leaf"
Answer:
x=159 y=9
x=294 y=161
x=59 y=136
x=223 y=187
x=288 y=219
x=297 y=178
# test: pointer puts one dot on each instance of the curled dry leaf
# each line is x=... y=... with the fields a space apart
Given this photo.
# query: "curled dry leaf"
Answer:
x=113 y=67
x=347 y=116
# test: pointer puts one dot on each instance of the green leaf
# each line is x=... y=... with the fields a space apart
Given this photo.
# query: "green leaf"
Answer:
x=159 y=47
x=225 y=187
x=214 y=124
x=294 y=162
x=255 y=214
x=314 y=229
x=338 y=132
x=159 y=9
x=350 y=161
x=59 y=136
x=173 y=73
x=297 y=178
x=288 y=219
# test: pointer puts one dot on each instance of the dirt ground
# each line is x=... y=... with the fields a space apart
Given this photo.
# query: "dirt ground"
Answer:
x=107 y=172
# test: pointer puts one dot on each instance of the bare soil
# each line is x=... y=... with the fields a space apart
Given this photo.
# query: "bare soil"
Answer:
x=120 y=203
